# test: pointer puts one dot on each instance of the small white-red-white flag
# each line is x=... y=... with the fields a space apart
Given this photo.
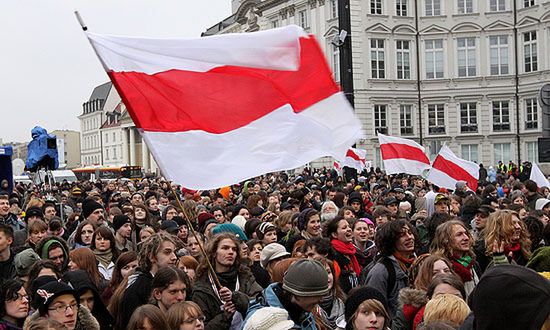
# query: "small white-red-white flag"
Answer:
x=355 y=158
x=448 y=169
x=218 y=110
x=402 y=155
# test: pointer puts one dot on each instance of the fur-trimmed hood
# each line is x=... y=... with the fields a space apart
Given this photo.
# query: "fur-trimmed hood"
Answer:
x=84 y=320
x=413 y=297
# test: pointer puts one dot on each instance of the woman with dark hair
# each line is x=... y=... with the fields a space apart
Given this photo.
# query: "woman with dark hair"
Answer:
x=261 y=275
x=309 y=226
x=104 y=248
x=170 y=286
x=340 y=234
x=219 y=305
x=85 y=259
x=42 y=268
x=14 y=305
x=141 y=218
x=340 y=199
x=148 y=317
x=83 y=235
x=363 y=234
x=124 y=266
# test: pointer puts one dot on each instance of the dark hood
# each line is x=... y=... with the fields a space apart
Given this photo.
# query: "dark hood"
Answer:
x=510 y=297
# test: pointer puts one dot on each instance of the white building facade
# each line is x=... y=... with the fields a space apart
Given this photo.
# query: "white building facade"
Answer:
x=461 y=72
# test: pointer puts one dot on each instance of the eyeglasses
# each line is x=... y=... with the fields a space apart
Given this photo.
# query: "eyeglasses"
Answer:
x=63 y=309
x=18 y=296
x=193 y=319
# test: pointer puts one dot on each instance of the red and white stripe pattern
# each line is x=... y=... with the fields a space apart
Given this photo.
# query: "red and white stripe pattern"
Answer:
x=355 y=158
x=218 y=110
x=402 y=155
x=448 y=169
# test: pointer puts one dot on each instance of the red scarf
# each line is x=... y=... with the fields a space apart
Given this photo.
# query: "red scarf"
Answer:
x=403 y=262
x=514 y=248
x=465 y=272
x=347 y=249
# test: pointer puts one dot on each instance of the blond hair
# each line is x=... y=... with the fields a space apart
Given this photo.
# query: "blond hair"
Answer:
x=372 y=305
x=446 y=307
x=500 y=228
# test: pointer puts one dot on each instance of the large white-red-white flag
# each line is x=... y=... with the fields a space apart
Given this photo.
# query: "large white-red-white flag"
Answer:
x=448 y=169
x=355 y=158
x=218 y=110
x=538 y=176
x=402 y=155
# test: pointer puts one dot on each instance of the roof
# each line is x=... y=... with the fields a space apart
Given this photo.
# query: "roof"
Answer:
x=220 y=26
x=101 y=92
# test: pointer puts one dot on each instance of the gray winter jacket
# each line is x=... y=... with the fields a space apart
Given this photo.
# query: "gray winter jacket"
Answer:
x=378 y=279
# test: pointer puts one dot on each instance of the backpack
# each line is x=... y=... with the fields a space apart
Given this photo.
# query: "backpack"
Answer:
x=388 y=263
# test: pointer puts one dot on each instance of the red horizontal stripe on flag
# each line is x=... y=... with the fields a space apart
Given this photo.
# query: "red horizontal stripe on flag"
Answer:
x=405 y=151
x=455 y=171
x=224 y=98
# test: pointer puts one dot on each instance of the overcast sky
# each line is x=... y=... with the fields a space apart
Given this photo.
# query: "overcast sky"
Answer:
x=48 y=68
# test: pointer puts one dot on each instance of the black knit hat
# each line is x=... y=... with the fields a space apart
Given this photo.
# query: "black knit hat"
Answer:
x=120 y=220
x=34 y=212
x=357 y=296
x=46 y=294
x=89 y=206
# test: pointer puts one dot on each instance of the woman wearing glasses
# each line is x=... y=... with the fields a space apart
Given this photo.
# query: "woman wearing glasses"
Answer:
x=185 y=315
x=60 y=302
x=15 y=305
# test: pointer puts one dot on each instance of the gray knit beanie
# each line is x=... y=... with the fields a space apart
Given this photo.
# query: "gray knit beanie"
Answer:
x=306 y=278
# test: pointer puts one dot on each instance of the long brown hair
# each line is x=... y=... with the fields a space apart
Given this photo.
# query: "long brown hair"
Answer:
x=86 y=260
x=150 y=312
x=212 y=248
x=121 y=262
x=441 y=243
x=425 y=271
x=500 y=227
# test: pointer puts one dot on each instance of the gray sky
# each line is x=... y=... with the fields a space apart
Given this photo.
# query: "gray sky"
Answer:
x=47 y=67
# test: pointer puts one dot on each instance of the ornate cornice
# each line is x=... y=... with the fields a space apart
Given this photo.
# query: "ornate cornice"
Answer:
x=312 y=3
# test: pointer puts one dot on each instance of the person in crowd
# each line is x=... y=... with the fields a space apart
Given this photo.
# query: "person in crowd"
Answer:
x=448 y=308
x=55 y=249
x=147 y=317
x=309 y=226
x=363 y=235
x=142 y=219
x=189 y=265
x=329 y=211
x=185 y=315
x=104 y=248
x=396 y=244
x=14 y=308
x=60 y=302
x=261 y=275
x=193 y=245
x=329 y=313
x=303 y=287
x=23 y=262
x=170 y=286
x=367 y=308
x=83 y=234
x=157 y=251
x=122 y=225
x=219 y=304
x=89 y=296
x=7 y=266
x=266 y=233
x=270 y=256
x=454 y=242
x=37 y=230
x=340 y=234
x=84 y=259
x=41 y=268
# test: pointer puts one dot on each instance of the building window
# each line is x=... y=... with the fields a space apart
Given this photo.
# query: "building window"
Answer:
x=377 y=58
x=497 y=5
x=501 y=152
x=469 y=152
x=434 y=58
x=380 y=119
x=405 y=119
x=433 y=7
x=531 y=114
x=501 y=116
x=114 y=136
x=436 y=119
x=434 y=148
x=114 y=152
x=336 y=62
x=376 y=7
x=106 y=153
x=403 y=59
x=333 y=8
x=468 y=117
x=465 y=6
x=302 y=19
x=532 y=151
x=106 y=137
x=274 y=23
x=530 y=51
x=528 y=3
x=466 y=49
x=498 y=49
x=401 y=7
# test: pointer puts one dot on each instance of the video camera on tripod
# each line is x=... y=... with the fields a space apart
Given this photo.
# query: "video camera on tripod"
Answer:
x=42 y=153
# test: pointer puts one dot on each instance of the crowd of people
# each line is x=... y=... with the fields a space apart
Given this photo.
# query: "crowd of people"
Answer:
x=307 y=250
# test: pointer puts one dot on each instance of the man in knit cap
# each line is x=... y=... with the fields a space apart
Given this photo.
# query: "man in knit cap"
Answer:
x=122 y=225
x=304 y=285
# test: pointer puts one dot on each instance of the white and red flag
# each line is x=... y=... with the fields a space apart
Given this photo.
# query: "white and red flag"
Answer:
x=402 y=155
x=355 y=158
x=448 y=169
x=538 y=176
x=218 y=110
